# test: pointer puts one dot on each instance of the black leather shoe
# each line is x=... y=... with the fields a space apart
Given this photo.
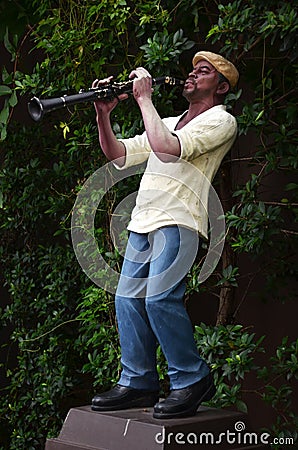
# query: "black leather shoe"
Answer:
x=122 y=397
x=185 y=402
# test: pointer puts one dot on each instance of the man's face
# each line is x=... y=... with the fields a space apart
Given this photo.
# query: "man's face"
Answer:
x=201 y=82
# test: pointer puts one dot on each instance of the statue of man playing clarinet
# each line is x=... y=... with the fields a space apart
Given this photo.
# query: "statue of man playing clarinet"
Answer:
x=168 y=218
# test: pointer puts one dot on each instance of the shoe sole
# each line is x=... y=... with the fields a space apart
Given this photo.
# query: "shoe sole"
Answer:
x=190 y=411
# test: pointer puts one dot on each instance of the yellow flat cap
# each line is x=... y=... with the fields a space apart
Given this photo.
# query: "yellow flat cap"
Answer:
x=221 y=64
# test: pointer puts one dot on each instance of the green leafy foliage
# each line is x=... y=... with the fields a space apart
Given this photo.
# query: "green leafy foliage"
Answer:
x=62 y=329
x=164 y=47
x=98 y=337
x=231 y=352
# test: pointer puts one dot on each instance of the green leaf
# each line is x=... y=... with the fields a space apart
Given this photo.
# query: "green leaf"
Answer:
x=13 y=100
x=6 y=77
x=5 y=90
x=9 y=47
x=3 y=133
x=291 y=186
x=259 y=115
x=241 y=406
x=4 y=114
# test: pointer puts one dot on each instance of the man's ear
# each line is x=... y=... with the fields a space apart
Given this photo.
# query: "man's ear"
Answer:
x=223 y=88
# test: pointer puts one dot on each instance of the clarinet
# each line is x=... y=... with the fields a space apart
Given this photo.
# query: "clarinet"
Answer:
x=38 y=107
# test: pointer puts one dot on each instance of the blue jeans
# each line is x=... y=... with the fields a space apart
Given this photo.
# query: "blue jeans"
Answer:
x=150 y=309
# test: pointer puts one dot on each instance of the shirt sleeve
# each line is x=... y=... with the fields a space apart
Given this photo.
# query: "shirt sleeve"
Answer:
x=204 y=136
x=137 y=150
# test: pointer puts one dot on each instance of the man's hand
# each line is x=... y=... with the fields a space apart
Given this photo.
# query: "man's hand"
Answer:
x=104 y=106
x=142 y=84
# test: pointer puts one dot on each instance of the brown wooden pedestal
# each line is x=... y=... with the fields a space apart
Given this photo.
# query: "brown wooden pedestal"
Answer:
x=135 y=429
